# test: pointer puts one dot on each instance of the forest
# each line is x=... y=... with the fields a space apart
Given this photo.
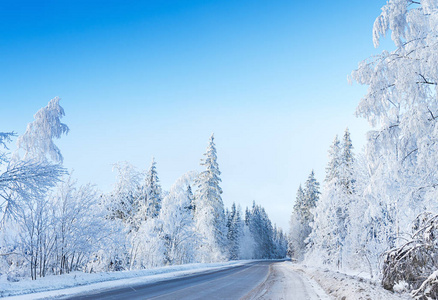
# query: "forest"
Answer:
x=50 y=225
x=376 y=209
x=375 y=212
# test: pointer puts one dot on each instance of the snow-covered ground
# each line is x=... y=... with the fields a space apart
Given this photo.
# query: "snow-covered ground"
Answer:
x=284 y=282
x=342 y=286
x=79 y=282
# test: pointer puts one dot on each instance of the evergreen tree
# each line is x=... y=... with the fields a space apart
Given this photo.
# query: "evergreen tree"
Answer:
x=347 y=163
x=311 y=196
x=330 y=229
x=191 y=198
x=235 y=231
x=332 y=169
x=247 y=216
x=302 y=217
x=280 y=243
x=209 y=213
x=152 y=188
x=298 y=232
x=299 y=202
x=262 y=231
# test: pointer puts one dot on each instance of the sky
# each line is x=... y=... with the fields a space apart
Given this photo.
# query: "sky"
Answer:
x=143 y=79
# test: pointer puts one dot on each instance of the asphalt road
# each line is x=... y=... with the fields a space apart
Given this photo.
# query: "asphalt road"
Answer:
x=232 y=283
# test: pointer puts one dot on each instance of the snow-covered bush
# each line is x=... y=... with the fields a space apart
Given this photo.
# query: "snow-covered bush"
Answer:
x=428 y=289
x=415 y=260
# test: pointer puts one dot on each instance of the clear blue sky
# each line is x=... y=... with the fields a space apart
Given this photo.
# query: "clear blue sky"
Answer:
x=155 y=78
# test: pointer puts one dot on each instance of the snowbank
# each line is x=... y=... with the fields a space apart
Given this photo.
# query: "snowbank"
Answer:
x=79 y=282
x=342 y=286
x=285 y=283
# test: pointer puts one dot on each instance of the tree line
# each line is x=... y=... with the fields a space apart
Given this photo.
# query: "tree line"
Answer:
x=376 y=211
x=52 y=225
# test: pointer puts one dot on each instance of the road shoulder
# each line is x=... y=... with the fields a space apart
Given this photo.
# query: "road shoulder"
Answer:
x=342 y=286
x=283 y=282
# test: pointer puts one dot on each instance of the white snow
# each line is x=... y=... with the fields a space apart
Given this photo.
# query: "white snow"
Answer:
x=343 y=286
x=283 y=282
x=79 y=282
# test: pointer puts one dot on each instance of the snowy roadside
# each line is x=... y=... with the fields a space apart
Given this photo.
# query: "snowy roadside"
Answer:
x=79 y=282
x=342 y=286
x=283 y=282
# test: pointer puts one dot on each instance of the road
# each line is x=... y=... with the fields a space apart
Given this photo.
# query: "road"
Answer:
x=232 y=283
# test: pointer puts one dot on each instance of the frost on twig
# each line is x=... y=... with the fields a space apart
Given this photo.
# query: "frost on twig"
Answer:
x=414 y=261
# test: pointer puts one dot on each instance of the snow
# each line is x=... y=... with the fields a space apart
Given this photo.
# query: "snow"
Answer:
x=79 y=282
x=283 y=282
x=286 y=280
x=343 y=286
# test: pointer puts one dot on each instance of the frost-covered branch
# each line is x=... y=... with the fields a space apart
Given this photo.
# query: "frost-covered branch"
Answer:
x=25 y=180
x=6 y=137
x=37 y=141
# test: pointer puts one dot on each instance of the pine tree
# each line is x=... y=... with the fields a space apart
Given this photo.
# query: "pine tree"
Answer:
x=330 y=229
x=192 y=206
x=298 y=232
x=302 y=216
x=153 y=191
x=262 y=232
x=209 y=213
x=332 y=169
x=347 y=163
x=311 y=196
x=299 y=202
x=280 y=243
x=235 y=230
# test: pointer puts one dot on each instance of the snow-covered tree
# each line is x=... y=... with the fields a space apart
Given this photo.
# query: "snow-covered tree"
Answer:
x=235 y=231
x=209 y=213
x=152 y=191
x=299 y=228
x=31 y=177
x=147 y=245
x=178 y=226
x=25 y=182
x=79 y=225
x=332 y=220
x=346 y=168
x=37 y=141
x=401 y=104
x=332 y=169
x=302 y=217
x=311 y=197
x=261 y=230
x=123 y=202
x=280 y=243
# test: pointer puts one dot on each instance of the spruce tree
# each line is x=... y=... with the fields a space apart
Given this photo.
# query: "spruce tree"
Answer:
x=262 y=232
x=347 y=161
x=153 y=191
x=332 y=169
x=311 y=197
x=330 y=229
x=209 y=213
x=191 y=198
x=235 y=230
x=302 y=216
